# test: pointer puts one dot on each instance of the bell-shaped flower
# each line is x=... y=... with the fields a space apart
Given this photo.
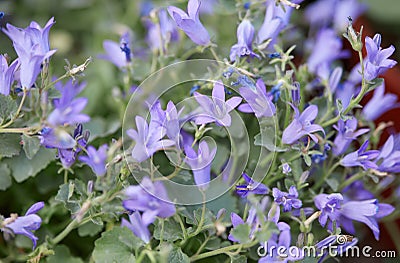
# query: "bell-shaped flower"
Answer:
x=251 y=186
x=361 y=157
x=346 y=133
x=216 y=109
x=6 y=75
x=389 y=156
x=302 y=125
x=96 y=159
x=149 y=198
x=245 y=35
x=379 y=104
x=67 y=108
x=138 y=225
x=161 y=33
x=200 y=162
x=258 y=101
x=56 y=138
x=119 y=54
x=24 y=225
x=287 y=200
x=148 y=139
x=377 y=60
x=190 y=22
x=334 y=208
x=32 y=47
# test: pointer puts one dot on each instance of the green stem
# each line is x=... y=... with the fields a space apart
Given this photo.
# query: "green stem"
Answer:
x=214 y=54
x=222 y=250
x=27 y=130
x=183 y=228
x=351 y=180
x=65 y=176
x=71 y=226
x=162 y=232
x=202 y=246
x=325 y=176
x=18 y=110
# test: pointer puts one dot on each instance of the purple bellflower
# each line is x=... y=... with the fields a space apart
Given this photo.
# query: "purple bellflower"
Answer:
x=326 y=49
x=32 y=47
x=149 y=198
x=286 y=169
x=56 y=138
x=24 y=225
x=67 y=108
x=216 y=109
x=159 y=35
x=287 y=200
x=345 y=135
x=96 y=159
x=245 y=35
x=68 y=156
x=281 y=240
x=258 y=101
x=339 y=248
x=275 y=20
x=333 y=207
x=361 y=158
x=251 y=186
x=190 y=22
x=6 y=75
x=119 y=54
x=138 y=225
x=200 y=162
x=148 y=139
x=379 y=104
x=286 y=252
x=301 y=125
x=390 y=156
x=377 y=60
x=168 y=119
x=253 y=219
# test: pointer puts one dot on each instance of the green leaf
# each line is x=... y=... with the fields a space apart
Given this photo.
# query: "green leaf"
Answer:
x=9 y=145
x=89 y=229
x=333 y=183
x=195 y=218
x=177 y=256
x=22 y=168
x=100 y=127
x=307 y=159
x=266 y=232
x=5 y=178
x=213 y=243
x=238 y=259
x=241 y=233
x=62 y=254
x=374 y=84
x=31 y=145
x=267 y=139
x=117 y=245
x=72 y=194
x=172 y=230
x=8 y=108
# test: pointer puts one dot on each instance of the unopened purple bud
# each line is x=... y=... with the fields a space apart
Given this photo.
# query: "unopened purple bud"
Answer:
x=89 y=188
x=296 y=93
